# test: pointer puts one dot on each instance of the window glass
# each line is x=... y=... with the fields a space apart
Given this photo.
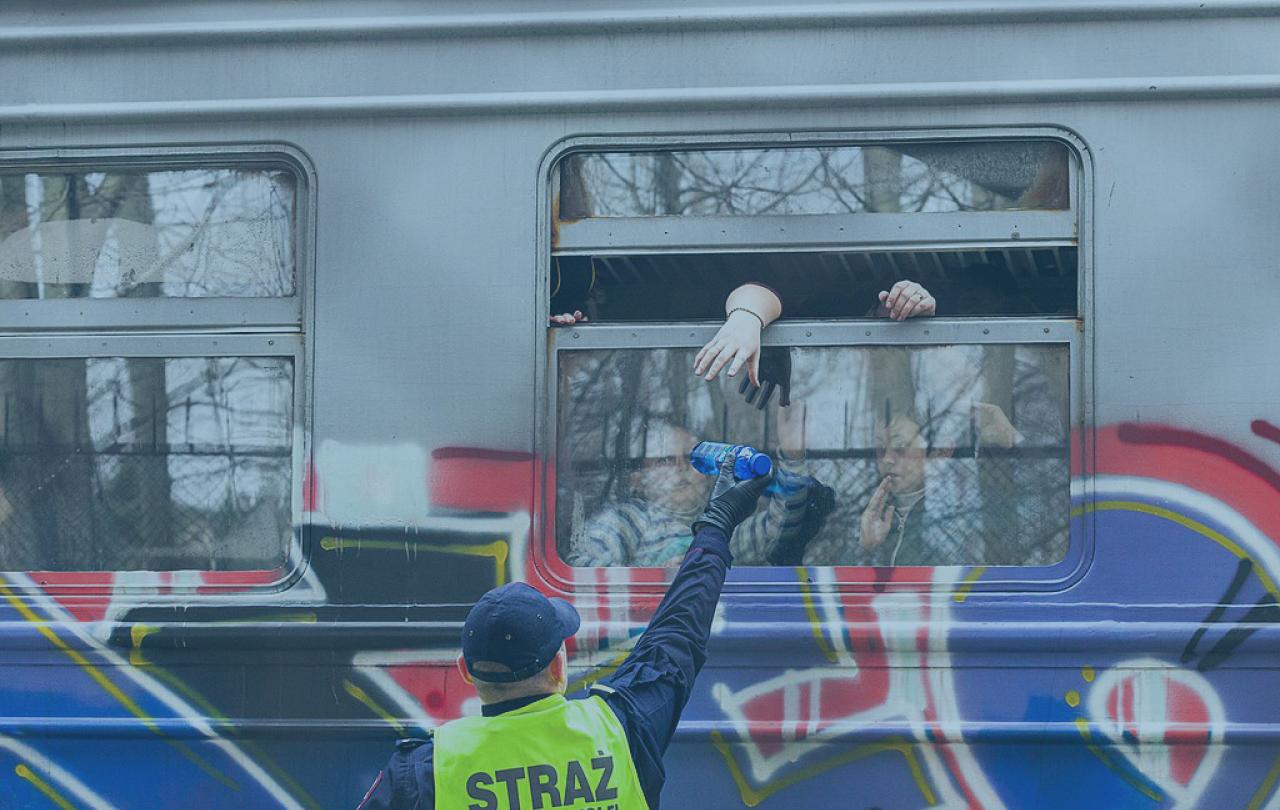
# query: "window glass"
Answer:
x=191 y=233
x=117 y=463
x=921 y=455
x=904 y=177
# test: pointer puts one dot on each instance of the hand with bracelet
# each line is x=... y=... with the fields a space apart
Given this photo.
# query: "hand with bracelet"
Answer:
x=748 y=310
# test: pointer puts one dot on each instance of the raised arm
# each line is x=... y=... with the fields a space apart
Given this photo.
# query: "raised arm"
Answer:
x=748 y=310
x=650 y=689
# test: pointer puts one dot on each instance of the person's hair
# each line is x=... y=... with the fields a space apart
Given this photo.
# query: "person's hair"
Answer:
x=903 y=410
x=536 y=684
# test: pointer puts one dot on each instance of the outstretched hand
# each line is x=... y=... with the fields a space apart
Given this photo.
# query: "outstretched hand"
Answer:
x=732 y=501
x=735 y=345
x=774 y=372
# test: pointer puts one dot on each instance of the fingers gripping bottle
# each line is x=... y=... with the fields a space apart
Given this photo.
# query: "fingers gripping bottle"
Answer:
x=747 y=461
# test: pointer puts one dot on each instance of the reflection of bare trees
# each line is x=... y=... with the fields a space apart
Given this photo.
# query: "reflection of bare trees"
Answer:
x=104 y=474
x=815 y=180
x=194 y=233
x=145 y=463
x=1006 y=504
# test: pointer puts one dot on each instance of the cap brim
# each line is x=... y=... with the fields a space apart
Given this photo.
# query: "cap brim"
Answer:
x=570 y=621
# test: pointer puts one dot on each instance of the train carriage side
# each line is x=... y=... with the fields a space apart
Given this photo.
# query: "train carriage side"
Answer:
x=280 y=397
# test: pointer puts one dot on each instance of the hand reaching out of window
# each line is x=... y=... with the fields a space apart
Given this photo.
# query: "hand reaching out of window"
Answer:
x=569 y=318
x=773 y=371
x=749 y=309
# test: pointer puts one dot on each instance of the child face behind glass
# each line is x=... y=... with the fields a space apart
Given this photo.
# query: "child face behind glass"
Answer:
x=666 y=478
x=901 y=454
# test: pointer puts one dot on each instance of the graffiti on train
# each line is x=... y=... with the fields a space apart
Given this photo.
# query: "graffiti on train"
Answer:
x=910 y=690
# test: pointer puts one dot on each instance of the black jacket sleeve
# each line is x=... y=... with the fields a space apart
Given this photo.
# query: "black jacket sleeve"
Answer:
x=651 y=687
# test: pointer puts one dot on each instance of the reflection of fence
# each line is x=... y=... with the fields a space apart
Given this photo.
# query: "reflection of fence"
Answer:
x=1003 y=508
x=132 y=508
x=997 y=507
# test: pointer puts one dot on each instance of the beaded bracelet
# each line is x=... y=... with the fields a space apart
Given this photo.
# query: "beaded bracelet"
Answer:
x=749 y=312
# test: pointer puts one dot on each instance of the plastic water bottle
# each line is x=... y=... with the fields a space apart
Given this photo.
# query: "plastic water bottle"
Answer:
x=748 y=462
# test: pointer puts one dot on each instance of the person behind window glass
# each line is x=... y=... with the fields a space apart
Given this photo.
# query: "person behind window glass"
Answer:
x=749 y=310
x=651 y=528
x=913 y=517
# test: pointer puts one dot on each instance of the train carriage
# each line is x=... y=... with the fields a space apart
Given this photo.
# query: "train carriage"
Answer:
x=281 y=397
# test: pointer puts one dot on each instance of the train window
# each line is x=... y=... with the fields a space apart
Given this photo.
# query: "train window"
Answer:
x=191 y=233
x=900 y=177
x=151 y=374
x=940 y=442
x=151 y=463
x=887 y=455
x=989 y=226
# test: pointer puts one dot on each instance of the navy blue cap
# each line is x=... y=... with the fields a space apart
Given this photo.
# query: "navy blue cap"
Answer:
x=517 y=627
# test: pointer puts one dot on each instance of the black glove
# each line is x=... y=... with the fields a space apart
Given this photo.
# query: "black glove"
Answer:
x=788 y=548
x=731 y=501
x=775 y=372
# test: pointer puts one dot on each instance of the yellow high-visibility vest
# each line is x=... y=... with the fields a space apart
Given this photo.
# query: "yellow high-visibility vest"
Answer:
x=553 y=754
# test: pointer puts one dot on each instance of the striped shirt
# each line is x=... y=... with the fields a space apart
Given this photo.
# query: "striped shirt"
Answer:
x=635 y=532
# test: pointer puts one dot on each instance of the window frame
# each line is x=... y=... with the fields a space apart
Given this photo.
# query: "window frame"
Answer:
x=88 y=328
x=282 y=313
x=985 y=231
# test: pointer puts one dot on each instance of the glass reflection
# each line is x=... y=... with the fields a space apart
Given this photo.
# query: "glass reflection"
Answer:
x=916 y=177
x=194 y=233
x=146 y=463
x=932 y=455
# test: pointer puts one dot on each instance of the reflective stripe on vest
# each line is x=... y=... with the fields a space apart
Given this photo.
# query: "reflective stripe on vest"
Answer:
x=553 y=754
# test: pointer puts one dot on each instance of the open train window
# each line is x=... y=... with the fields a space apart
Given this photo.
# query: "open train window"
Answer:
x=942 y=441
x=151 y=377
x=988 y=227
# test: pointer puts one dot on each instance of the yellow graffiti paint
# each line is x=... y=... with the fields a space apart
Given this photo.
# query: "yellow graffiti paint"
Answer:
x=752 y=796
x=302 y=617
x=136 y=634
x=44 y=787
x=498 y=550
x=297 y=791
x=1082 y=726
x=1264 y=790
x=966 y=585
x=811 y=611
x=1073 y=698
x=100 y=678
x=1088 y=674
x=363 y=696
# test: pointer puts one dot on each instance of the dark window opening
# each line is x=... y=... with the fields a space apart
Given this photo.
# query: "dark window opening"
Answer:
x=1035 y=281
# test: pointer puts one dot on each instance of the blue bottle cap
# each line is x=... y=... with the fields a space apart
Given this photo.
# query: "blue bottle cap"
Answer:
x=761 y=465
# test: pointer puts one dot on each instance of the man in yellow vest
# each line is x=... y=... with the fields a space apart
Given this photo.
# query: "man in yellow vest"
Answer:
x=532 y=749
